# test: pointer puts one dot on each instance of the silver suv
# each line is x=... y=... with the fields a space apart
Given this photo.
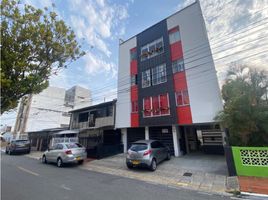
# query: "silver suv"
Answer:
x=62 y=153
x=147 y=153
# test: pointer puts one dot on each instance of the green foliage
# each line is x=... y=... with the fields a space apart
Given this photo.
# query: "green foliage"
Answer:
x=245 y=111
x=34 y=45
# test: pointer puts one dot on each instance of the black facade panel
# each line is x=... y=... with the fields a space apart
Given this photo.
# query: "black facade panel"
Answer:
x=156 y=133
x=153 y=33
x=134 y=134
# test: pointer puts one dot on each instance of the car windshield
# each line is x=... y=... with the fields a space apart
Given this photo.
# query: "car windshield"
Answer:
x=21 y=141
x=138 y=147
x=73 y=145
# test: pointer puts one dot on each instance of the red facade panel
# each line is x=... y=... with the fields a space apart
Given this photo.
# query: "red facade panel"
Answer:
x=147 y=106
x=176 y=51
x=180 y=81
x=174 y=29
x=134 y=120
x=156 y=106
x=134 y=93
x=133 y=67
x=164 y=104
x=184 y=115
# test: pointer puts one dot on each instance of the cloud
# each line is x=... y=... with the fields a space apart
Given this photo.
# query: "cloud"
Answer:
x=97 y=21
x=107 y=95
x=95 y=64
x=61 y=80
x=230 y=32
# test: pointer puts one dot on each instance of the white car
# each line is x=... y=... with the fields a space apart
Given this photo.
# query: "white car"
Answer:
x=62 y=153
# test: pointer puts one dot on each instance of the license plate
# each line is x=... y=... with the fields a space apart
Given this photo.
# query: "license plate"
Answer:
x=135 y=162
x=78 y=158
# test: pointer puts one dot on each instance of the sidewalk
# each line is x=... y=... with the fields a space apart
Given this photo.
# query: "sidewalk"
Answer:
x=168 y=173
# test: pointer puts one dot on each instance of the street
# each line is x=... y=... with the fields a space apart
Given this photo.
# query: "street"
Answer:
x=25 y=179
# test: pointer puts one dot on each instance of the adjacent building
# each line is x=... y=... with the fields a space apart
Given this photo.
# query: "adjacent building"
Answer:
x=96 y=127
x=168 y=85
x=49 y=109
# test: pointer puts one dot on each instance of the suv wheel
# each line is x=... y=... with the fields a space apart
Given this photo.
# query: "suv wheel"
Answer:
x=129 y=166
x=44 y=159
x=59 y=162
x=168 y=156
x=153 y=165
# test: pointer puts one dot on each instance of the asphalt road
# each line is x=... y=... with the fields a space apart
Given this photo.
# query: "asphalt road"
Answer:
x=24 y=178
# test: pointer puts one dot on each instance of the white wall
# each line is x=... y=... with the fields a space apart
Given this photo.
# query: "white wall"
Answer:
x=203 y=87
x=46 y=110
x=123 y=105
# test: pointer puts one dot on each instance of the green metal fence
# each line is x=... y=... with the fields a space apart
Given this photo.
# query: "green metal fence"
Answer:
x=251 y=161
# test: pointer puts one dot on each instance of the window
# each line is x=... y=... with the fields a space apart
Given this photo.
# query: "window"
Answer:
x=83 y=117
x=182 y=98
x=146 y=78
x=110 y=110
x=174 y=36
x=134 y=79
x=59 y=146
x=138 y=147
x=159 y=74
x=156 y=106
x=134 y=106
x=133 y=54
x=164 y=104
x=152 y=49
x=177 y=66
x=147 y=107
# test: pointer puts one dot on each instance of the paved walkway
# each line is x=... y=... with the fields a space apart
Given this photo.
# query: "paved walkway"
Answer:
x=206 y=175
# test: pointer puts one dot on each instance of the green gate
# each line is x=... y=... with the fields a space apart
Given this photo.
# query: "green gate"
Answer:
x=251 y=161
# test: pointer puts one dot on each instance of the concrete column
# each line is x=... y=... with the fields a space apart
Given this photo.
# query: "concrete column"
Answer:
x=176 y=136
x=146 y=133
x=124 y=138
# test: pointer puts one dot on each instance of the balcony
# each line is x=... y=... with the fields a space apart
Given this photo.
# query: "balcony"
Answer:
x=80 y=125
x=104 y=121
x=99 y=122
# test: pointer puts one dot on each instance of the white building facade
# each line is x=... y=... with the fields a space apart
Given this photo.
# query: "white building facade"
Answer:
x=168 y=83
x=49 y=109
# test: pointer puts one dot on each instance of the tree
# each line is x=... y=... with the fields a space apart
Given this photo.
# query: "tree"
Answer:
x=245 y=111
x=34 y=45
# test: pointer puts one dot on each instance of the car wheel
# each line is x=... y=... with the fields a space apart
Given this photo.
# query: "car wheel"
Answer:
x=168 y=156
x=80 y=162
x=153 y=165
x=44 y=159
x=129 y=166
x=59 y=162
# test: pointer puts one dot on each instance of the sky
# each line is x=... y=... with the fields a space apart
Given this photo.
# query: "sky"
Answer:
x=237 y=31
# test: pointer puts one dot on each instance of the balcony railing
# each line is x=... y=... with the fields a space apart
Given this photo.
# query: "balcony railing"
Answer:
x=104 y=121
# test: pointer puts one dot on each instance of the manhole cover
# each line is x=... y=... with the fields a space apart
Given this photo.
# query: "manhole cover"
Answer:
x=187 y=174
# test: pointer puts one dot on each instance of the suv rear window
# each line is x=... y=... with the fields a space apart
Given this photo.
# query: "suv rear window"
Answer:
x=21 y=141
x=73 y=145
x=138 y=147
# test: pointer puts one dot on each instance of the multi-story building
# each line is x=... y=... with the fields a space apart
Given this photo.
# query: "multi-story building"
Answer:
x=167 y=84
x=49 y=109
